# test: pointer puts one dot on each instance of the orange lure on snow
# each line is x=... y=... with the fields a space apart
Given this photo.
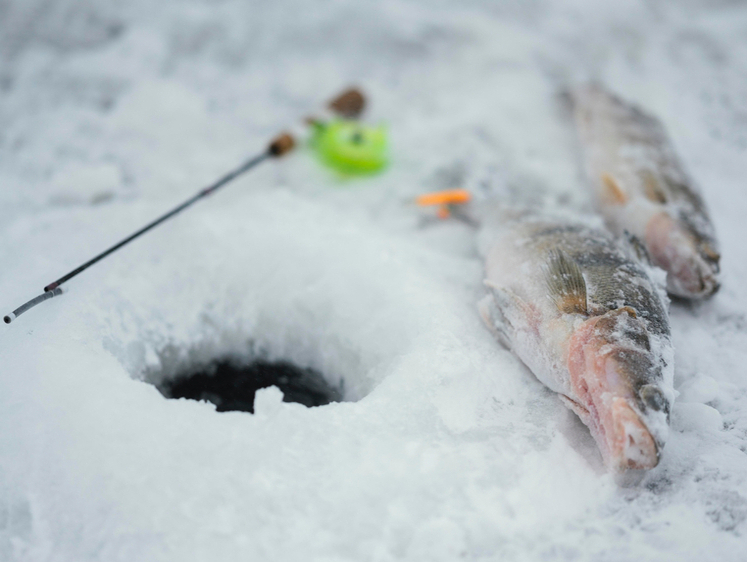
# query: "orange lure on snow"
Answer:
x=445 y=200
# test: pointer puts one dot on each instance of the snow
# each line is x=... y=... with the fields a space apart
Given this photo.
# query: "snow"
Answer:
x=446 y=447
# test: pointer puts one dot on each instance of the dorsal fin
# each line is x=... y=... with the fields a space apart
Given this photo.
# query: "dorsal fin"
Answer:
x=565 y=283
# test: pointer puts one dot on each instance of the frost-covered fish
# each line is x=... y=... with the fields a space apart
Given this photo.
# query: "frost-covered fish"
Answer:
x=586 y=317
x=642 y=188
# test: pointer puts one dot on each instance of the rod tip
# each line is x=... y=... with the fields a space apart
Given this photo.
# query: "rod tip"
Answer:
x=9 y=318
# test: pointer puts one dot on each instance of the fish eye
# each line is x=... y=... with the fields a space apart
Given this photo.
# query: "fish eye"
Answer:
x=653 y=398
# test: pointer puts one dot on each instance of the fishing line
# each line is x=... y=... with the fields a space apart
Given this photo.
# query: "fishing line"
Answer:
x=349 y=104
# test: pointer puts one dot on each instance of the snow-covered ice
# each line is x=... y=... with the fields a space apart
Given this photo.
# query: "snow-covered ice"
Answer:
x=446 y=446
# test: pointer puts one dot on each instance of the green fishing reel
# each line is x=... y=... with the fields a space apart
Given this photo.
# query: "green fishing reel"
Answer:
x=350 y=147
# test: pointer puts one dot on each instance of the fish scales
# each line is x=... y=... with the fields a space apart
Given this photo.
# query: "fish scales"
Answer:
x=608 y=357
x=642 y=188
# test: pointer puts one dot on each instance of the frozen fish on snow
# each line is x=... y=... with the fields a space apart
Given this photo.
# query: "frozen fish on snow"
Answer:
x=641 y=187
x=585 y=315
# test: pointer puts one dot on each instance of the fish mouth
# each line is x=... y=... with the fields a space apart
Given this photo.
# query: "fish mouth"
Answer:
x=692 y=266
x=693 y=278
x=616 y=395
x=631 y=444
x=623 y=438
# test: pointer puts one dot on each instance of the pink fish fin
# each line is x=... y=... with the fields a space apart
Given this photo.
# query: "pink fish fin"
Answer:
x=579 y=410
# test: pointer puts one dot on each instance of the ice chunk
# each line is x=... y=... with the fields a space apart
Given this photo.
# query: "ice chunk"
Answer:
x=268 y=401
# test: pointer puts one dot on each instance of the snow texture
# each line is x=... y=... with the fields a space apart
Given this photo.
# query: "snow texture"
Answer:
x=446 y=447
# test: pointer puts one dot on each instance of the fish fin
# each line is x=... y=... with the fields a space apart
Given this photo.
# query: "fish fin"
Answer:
x=508 y=301
x=505 y=311
x=653 y=188
x=566 y=283
x=612 y=190
x=577 y=408
x=637 y=248
x=494 y=320
x=629 y=310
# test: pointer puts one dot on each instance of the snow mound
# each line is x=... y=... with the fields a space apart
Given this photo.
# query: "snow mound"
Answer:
x=444 y=446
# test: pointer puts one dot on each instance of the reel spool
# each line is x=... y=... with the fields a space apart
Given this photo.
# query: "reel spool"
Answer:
x=350 y=147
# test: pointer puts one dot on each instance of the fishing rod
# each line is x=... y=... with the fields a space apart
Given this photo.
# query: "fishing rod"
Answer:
x=349 y=104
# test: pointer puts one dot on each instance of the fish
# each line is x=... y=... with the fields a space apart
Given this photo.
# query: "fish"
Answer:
x=590 y=320
x=642 y=189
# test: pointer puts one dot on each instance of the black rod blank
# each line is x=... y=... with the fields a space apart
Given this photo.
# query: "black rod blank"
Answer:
x=349 y=103
x=248 y=165
x=279 y=146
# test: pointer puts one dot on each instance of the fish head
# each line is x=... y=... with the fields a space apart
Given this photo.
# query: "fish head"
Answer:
x=688 y=255
x=615 y=375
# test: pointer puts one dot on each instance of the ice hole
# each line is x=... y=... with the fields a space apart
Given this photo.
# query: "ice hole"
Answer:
x=231 y=384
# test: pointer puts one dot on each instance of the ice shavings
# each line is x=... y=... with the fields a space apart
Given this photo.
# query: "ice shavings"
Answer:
x=447 y=447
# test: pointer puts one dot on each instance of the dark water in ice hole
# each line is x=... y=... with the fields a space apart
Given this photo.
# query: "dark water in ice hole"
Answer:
x=232 y=386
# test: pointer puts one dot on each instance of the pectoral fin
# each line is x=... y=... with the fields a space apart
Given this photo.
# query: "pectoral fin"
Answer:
x=503 y=311
x=565 y=283
x=613 y=193
x=494 y=320
x=653 y=188
x=577 y=408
